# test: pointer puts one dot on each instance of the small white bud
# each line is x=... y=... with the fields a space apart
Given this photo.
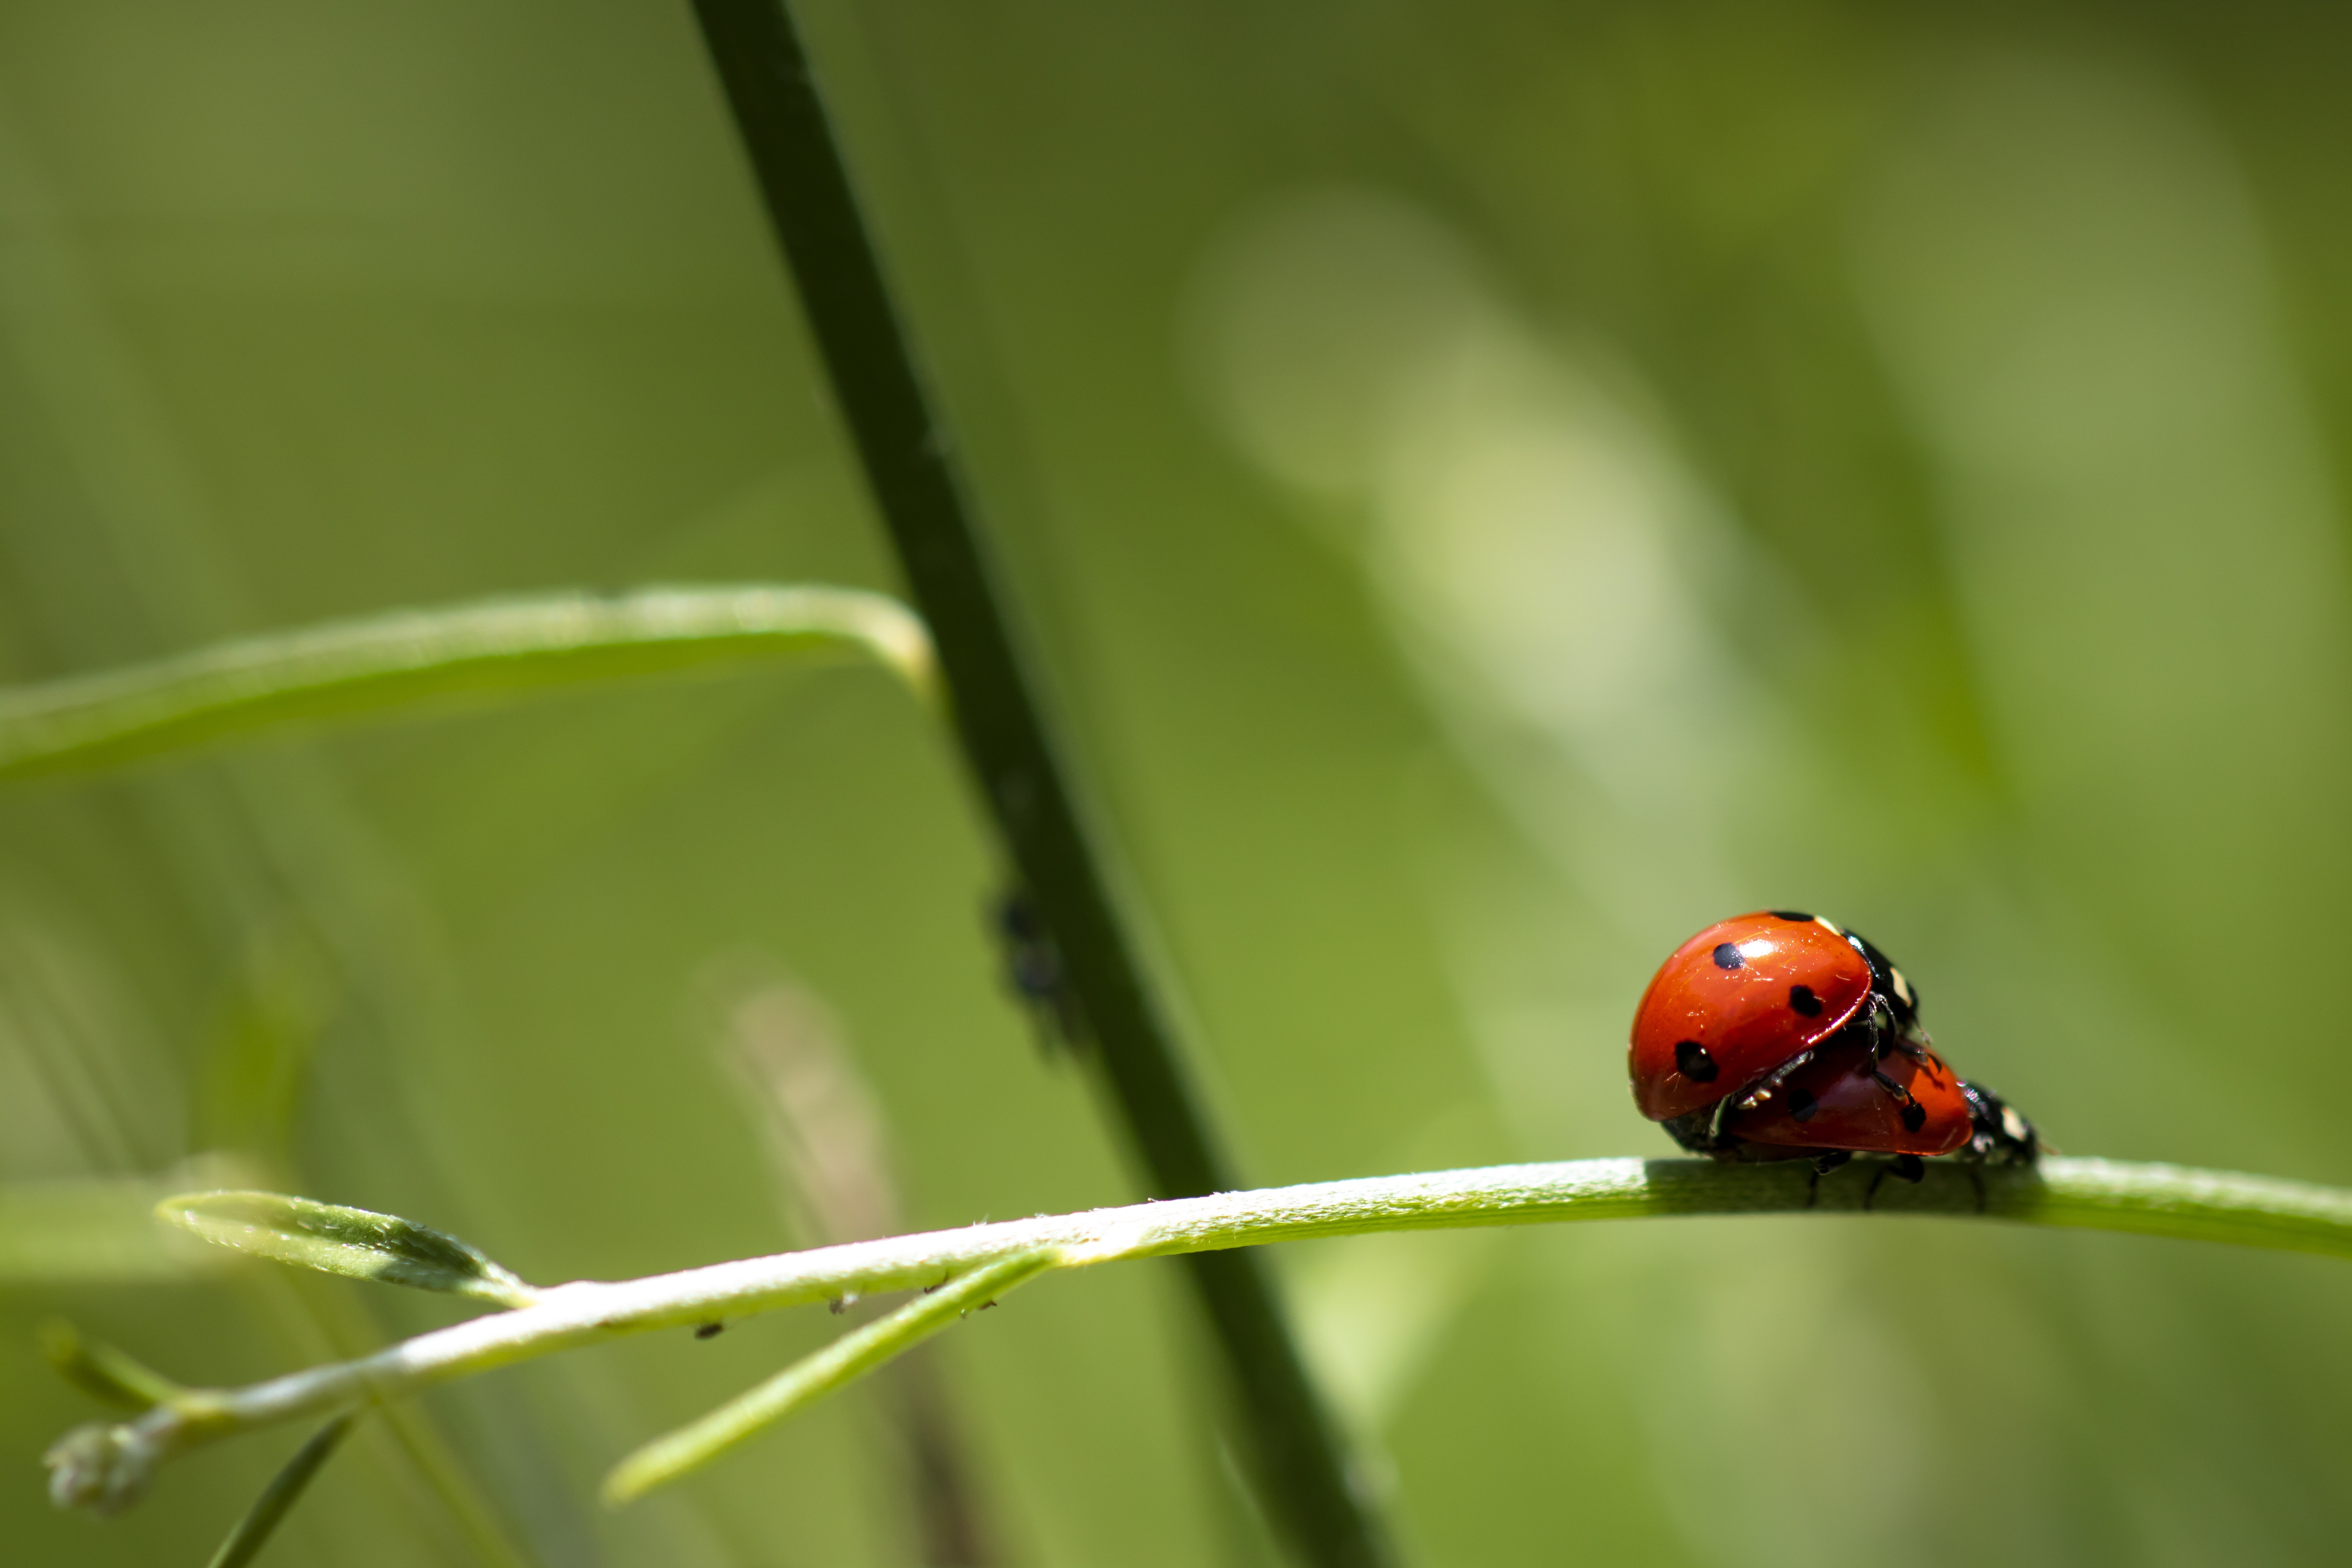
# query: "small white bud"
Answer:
x=101 y=1468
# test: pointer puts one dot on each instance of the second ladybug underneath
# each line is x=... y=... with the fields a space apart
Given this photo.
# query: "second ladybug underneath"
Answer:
x=1781 y=1035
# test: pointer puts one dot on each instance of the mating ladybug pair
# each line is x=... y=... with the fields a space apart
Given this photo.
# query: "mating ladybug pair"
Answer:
x=1778 y=1036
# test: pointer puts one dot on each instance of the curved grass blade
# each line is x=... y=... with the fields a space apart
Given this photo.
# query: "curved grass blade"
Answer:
x=284 y=1489
x=354 y=1242
x=347 y=668
x=668 y=1457
x=102 y=1372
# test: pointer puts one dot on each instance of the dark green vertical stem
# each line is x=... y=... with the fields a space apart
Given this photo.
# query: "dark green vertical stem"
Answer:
x=999 y=718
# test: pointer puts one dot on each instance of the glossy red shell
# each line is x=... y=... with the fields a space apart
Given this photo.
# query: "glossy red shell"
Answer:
x=1848 y=1108
x=1750 y=1017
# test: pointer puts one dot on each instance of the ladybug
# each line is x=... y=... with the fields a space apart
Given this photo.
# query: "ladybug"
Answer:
x=1781 y=1035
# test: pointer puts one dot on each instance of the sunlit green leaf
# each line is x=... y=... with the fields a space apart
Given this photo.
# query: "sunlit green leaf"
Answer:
x=339 y=1240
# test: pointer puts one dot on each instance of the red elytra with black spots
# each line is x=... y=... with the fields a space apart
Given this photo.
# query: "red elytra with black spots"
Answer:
x=1738 y=1000
x=1850 y=1110
x=1779 y=1035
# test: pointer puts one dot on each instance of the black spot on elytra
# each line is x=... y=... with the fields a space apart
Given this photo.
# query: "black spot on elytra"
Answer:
x=1726 y=956
x=1914 y=1117
x=1692 y=1060
x=1802 y=999
x=1801 y=1105
x=1797 y=915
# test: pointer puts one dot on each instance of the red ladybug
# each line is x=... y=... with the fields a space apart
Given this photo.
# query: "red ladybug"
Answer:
x=1778 y=1036
x=1843 y=1099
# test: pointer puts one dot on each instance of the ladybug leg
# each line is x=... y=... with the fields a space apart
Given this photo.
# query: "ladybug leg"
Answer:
x=1915 y=1115
x=1907 y=1167
x=1890 y=1035
x=1761 y=1091
x=1881 y=1024
x=1828 y=1160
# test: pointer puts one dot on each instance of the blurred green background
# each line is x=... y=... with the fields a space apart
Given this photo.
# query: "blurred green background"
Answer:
x=1498 y=486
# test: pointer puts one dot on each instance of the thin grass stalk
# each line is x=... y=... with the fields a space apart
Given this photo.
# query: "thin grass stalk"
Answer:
x=277 y=1499
x=379 y=663
x=1297 y=1456
x=105 y=1466
x=691 y=1446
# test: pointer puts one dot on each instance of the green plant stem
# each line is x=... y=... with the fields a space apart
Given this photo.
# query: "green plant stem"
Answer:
x=347 y=667
x=860 y=1351
x=909 y=459
x=102 y=1372
x=284 y=1489
x=2098 y=1195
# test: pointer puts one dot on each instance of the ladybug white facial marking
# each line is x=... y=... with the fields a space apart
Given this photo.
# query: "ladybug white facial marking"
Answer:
x=2014 y=1125
x=1829 y=925
x=1902 y=987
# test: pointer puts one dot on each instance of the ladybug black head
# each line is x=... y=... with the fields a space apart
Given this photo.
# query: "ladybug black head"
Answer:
x=2001 y=1132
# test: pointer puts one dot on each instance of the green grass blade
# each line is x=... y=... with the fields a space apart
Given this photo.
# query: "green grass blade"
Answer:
x=344 y=669
x=859 y=1351
x=1295 y=1451
x=284 y=1489
x=104 y=1373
